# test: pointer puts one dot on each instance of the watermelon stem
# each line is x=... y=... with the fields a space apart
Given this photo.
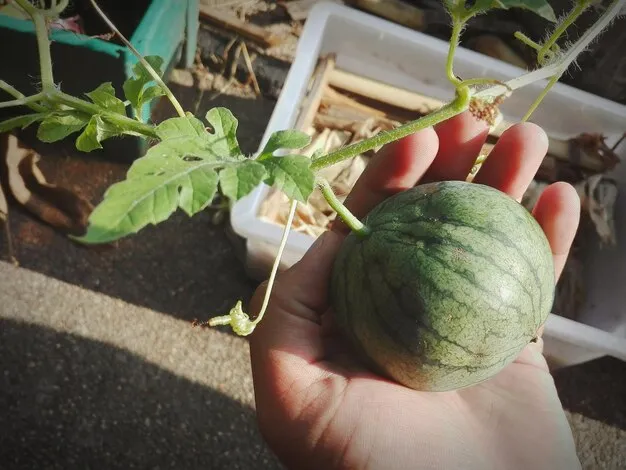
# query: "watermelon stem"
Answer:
x=455 y=107
x=348 y=217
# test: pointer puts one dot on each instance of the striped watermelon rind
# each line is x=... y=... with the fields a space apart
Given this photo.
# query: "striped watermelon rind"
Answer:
x=453 y=281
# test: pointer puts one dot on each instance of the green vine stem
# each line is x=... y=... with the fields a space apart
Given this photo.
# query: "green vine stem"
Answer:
x=526 y=40
x=455 y=107
x=544 y=53
x=43 y=43
x=455 y=37
x=237 y=318
x=541 y=96
x=20 y=96
x=25 y=101
x=565 y=58
x=349 y=219
x=179 y=109
x=89 y=108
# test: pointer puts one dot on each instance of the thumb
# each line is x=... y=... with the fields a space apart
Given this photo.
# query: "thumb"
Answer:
x=308 y=278
x=299 y=293
x=306 y=282
x=298 y=299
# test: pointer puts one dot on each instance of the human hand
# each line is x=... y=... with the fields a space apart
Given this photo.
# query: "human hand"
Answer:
x=319 y=408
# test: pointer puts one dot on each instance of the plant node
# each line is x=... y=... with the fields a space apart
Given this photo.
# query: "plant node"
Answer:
x=486 y=110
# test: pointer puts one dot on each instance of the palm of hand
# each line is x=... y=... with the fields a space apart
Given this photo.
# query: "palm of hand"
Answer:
x=319 y=408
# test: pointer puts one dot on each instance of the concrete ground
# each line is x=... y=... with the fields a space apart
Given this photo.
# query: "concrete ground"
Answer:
x=90 y=381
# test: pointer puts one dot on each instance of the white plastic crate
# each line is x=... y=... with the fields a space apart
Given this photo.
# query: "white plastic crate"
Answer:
x=380 y=50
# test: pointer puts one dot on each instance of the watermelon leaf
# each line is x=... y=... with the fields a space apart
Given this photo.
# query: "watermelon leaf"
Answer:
x=539 y=7
x=291 y=174
x=20 y=121
x=183 y=171
x=155 y=187
x=97 y=130
x=134 y=87
x=104 y=96
x=58 y=125
x=287 y=139
x=239 y=180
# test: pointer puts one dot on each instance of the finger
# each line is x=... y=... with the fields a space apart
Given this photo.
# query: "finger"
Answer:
x=395 y=168
x=558 y=213
x=460 y=141
x=514 y=160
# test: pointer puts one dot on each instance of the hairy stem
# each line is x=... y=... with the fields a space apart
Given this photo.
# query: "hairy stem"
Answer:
x=348 y=217
x=43 y=43
x=455 y=37
x=544 y=53
x=122 y=121
x=482 y=81
x=22 y=101
x=541 y=96
x=16 y=94
x=526 y=40
x=179 y=109
x=457 y=106
x=560 y=66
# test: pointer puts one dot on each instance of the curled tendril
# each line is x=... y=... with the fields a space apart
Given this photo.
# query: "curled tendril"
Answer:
x=238 y=320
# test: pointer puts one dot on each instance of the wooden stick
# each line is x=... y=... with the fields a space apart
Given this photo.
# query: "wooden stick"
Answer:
x=326 y=121
x=383 y=92
x=232 y=23
x=252 y=75
x=319 y=86
x=418 y=103
x=334 y=98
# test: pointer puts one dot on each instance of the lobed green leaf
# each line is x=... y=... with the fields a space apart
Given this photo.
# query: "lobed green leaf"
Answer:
x=291 y=174
x=20 y=121
x=539 y=7
x=287 y=139
x=224 y=126
x=104 y=96
x=134 y=86
x=181 y=128
x=97 y=130
x=239 y=180
x=186 y=137
x=56 y=126
x=155 y=187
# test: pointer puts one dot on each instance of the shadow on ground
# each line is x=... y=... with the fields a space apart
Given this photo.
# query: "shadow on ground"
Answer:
x=596 y=389
x=68 y=402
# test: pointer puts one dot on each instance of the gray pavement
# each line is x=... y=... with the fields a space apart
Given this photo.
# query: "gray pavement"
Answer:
x=90 y=381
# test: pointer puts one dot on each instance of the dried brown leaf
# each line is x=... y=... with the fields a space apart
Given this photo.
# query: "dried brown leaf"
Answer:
x=598 y=195
x=4 y=220
x=592 y=146
x=57 y=206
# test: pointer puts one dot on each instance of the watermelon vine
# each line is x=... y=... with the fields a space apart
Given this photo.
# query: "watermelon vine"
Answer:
x=194 y=158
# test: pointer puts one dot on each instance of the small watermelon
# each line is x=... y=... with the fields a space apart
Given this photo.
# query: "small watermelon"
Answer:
x=452 y=282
